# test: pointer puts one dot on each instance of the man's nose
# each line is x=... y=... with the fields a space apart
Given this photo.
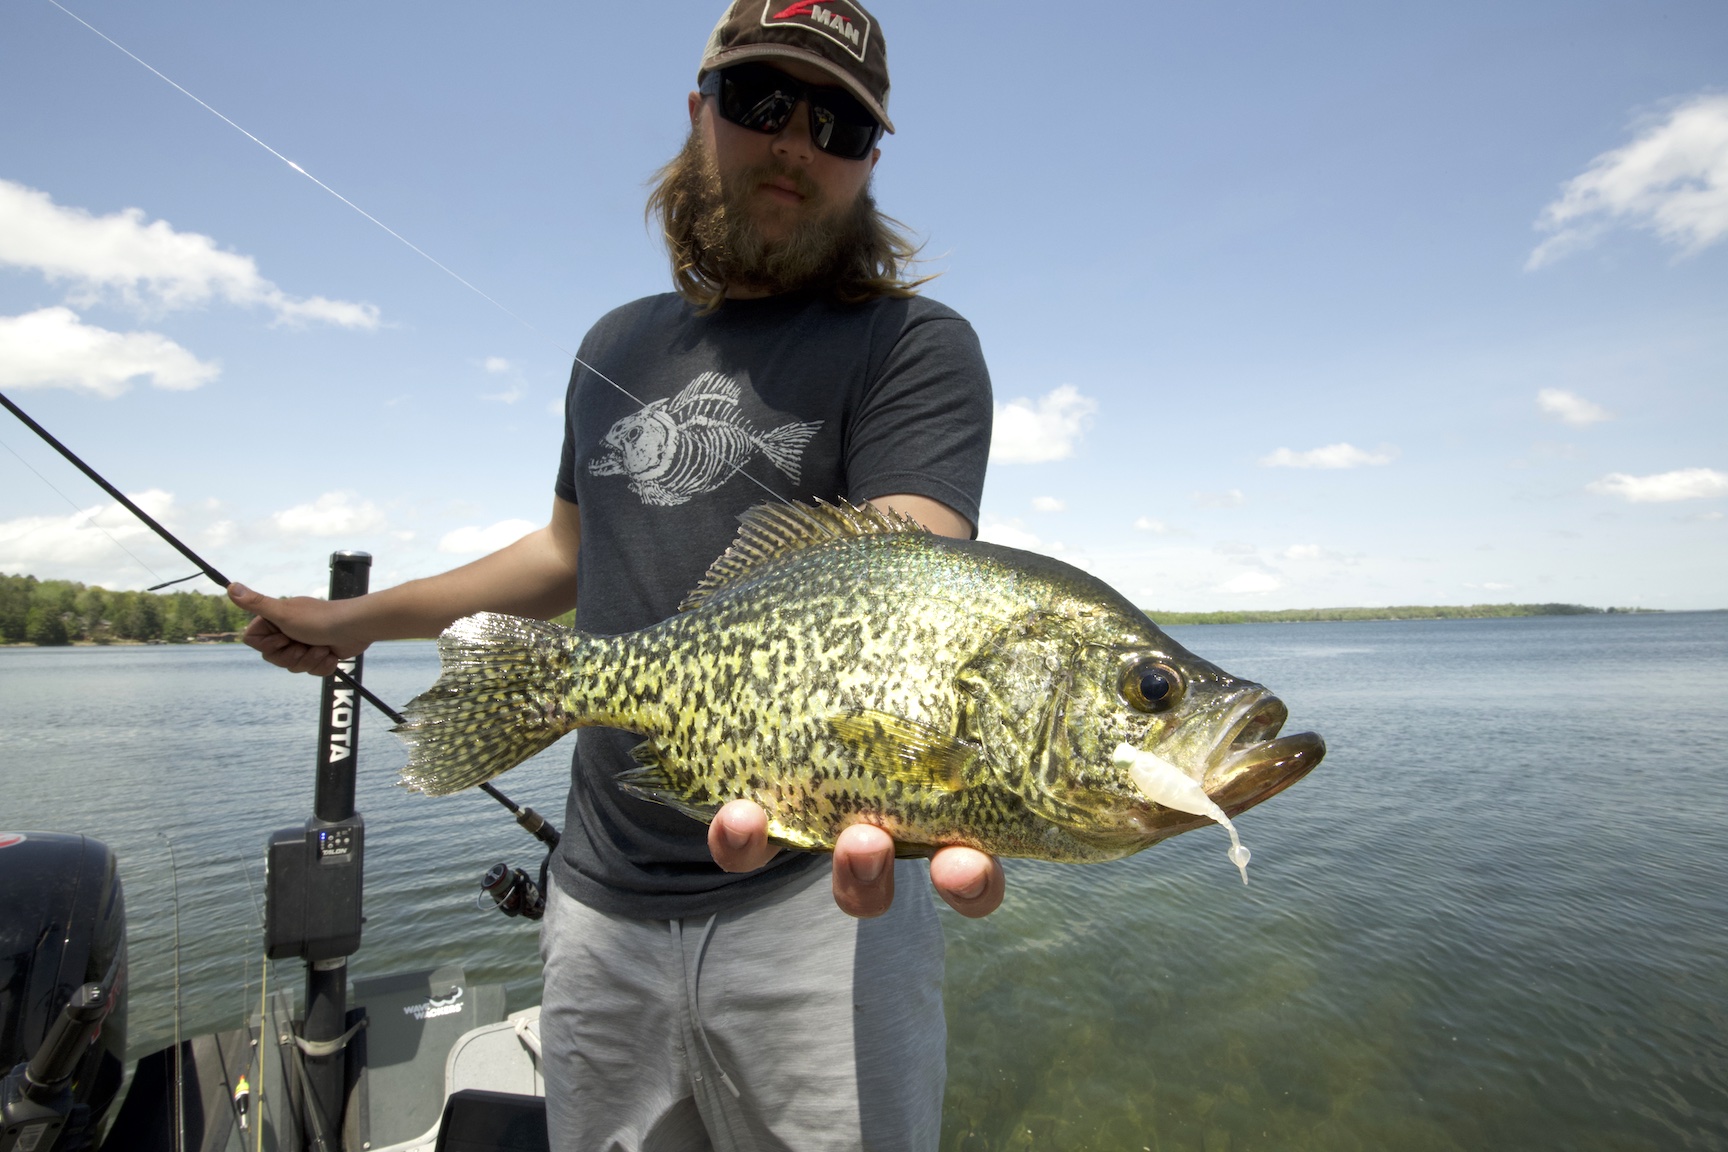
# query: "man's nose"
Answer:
x=793 y=143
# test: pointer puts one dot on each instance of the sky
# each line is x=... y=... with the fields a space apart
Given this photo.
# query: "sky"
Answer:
x=1284 y=305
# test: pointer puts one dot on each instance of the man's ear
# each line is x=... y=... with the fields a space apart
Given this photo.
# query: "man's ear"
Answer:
x=695 y=102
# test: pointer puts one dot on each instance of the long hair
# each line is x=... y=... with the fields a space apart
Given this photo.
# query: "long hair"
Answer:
x=687 y=200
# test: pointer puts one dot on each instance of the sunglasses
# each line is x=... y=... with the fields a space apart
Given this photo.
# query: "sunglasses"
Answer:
x=762 y=99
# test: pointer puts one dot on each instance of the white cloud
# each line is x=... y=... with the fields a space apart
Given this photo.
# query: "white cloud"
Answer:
x=471 y=541
x=146 y=263
x=1251 y=583
x=1491 y=586
x=1231 y=499
x=1302 y=552
x=1671 y=180
x=90 y=536
x=1008 y=533
x=1571 y=408
x=1663 y=487
x=332 y=514
x=1048 y=504
x=1156 y=527
x=53 y=348
x=1037 y=432
x=496 y=365
x=1331 y=456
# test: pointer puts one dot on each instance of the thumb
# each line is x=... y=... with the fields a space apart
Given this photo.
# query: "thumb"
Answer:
x=245 y=597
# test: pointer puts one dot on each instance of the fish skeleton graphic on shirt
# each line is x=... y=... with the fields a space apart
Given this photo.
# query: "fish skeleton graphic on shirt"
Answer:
x=674 y=449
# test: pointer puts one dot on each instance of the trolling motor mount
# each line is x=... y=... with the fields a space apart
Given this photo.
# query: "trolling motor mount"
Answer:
x=62 y=989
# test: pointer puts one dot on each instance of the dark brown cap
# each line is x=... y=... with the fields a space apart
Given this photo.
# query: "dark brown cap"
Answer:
x=837 y=36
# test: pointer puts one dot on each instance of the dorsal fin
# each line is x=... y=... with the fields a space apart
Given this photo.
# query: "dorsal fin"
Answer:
x=770 y=532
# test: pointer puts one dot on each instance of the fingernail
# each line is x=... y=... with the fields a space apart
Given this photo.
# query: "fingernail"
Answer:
x=867 y=868
x=237 y=590
x=973 y=890
x=735 y=837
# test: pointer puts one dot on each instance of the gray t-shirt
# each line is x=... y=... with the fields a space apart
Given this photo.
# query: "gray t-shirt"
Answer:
x=699 y=418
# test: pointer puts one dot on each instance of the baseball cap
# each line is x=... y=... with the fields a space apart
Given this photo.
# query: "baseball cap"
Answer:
x=837 y=36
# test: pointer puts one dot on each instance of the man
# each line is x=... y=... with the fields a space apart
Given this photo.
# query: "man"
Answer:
x=704 y=989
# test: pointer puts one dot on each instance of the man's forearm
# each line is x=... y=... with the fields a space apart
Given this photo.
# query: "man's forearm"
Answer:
x=535 y=576
x=526 y=578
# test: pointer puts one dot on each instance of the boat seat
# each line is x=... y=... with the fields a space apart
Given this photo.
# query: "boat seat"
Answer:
x=476 y=1120
x=413 y=1020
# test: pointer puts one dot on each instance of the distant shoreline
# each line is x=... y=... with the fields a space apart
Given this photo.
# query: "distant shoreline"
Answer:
x=1401 y=612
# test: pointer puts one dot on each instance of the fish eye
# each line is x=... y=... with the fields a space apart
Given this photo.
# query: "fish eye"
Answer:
x=1151 y=685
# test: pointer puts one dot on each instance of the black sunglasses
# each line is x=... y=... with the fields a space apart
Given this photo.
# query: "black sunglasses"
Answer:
x=762 y=99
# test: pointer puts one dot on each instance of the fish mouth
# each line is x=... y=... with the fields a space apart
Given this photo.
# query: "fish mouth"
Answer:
x=1253 y=763
x=1249 y=764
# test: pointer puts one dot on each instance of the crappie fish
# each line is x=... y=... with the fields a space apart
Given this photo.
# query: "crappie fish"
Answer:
x=840 y=664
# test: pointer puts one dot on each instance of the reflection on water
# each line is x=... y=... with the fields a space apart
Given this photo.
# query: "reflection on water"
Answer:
x=1494 y=917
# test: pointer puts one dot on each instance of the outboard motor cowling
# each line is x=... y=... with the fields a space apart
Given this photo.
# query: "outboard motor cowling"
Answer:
x=63 y=926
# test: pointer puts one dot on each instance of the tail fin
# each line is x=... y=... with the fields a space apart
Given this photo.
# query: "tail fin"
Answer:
x=784 y=446
x=495 y=704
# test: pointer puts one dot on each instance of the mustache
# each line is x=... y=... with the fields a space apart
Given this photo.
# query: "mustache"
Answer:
x=748 y=179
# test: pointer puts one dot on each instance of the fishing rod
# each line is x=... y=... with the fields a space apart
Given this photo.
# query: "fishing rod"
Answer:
x=532 y=821
x=525 y=816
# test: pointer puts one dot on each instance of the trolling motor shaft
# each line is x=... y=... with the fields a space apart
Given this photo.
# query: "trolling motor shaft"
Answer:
x=36 y=1098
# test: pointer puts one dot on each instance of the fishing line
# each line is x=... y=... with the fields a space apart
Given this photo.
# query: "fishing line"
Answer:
x=536 y=824
x=524 y=816
x=179 y=1056
x=149 y=520
x=421 y=252
x=92 y=521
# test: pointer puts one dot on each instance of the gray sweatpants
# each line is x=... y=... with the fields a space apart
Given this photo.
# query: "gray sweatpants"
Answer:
x=783 y=1025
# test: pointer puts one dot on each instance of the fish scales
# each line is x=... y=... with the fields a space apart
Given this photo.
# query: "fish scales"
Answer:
x=839 y=664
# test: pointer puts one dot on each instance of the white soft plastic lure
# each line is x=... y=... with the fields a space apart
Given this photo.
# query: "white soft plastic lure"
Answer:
x=1164 y=783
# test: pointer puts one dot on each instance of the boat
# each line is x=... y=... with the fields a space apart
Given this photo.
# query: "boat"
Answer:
x=412 y=1061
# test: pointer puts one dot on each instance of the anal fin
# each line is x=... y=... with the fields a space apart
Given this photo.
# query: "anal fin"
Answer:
x=905 y=750
x=655 y=778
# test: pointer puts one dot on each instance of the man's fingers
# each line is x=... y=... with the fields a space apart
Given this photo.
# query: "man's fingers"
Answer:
x=308 y=618
x=315 y=660
x=864 y=871
x=264 y=636
x=969 y=881
x=738 y=837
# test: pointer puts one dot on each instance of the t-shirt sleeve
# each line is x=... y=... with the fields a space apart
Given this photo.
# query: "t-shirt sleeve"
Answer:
x=923 y=427
x=565 y=486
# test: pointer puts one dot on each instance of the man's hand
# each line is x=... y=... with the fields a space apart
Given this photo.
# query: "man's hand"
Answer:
x=300 y=634
x=969 y=881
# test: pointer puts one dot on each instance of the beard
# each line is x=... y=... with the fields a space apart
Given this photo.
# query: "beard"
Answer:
x=815 y=242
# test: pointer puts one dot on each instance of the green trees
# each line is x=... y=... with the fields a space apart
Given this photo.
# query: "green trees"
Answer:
x=1403 y=612
x=51 y=612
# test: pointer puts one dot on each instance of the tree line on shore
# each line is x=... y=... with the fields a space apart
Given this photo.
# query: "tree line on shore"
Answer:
x=51 y=612
x=57 y=612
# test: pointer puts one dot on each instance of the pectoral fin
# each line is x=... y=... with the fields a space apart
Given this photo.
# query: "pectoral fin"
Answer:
x=905 y=750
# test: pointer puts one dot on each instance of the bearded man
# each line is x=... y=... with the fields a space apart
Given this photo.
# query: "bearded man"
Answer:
x=704 y=989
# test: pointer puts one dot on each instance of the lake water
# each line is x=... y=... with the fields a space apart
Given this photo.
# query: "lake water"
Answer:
x=1496 y=916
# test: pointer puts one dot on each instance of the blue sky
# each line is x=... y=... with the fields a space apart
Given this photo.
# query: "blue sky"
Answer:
x=1285 y=305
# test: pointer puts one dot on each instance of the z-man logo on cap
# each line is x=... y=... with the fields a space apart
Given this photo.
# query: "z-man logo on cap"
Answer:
x=840 y=21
